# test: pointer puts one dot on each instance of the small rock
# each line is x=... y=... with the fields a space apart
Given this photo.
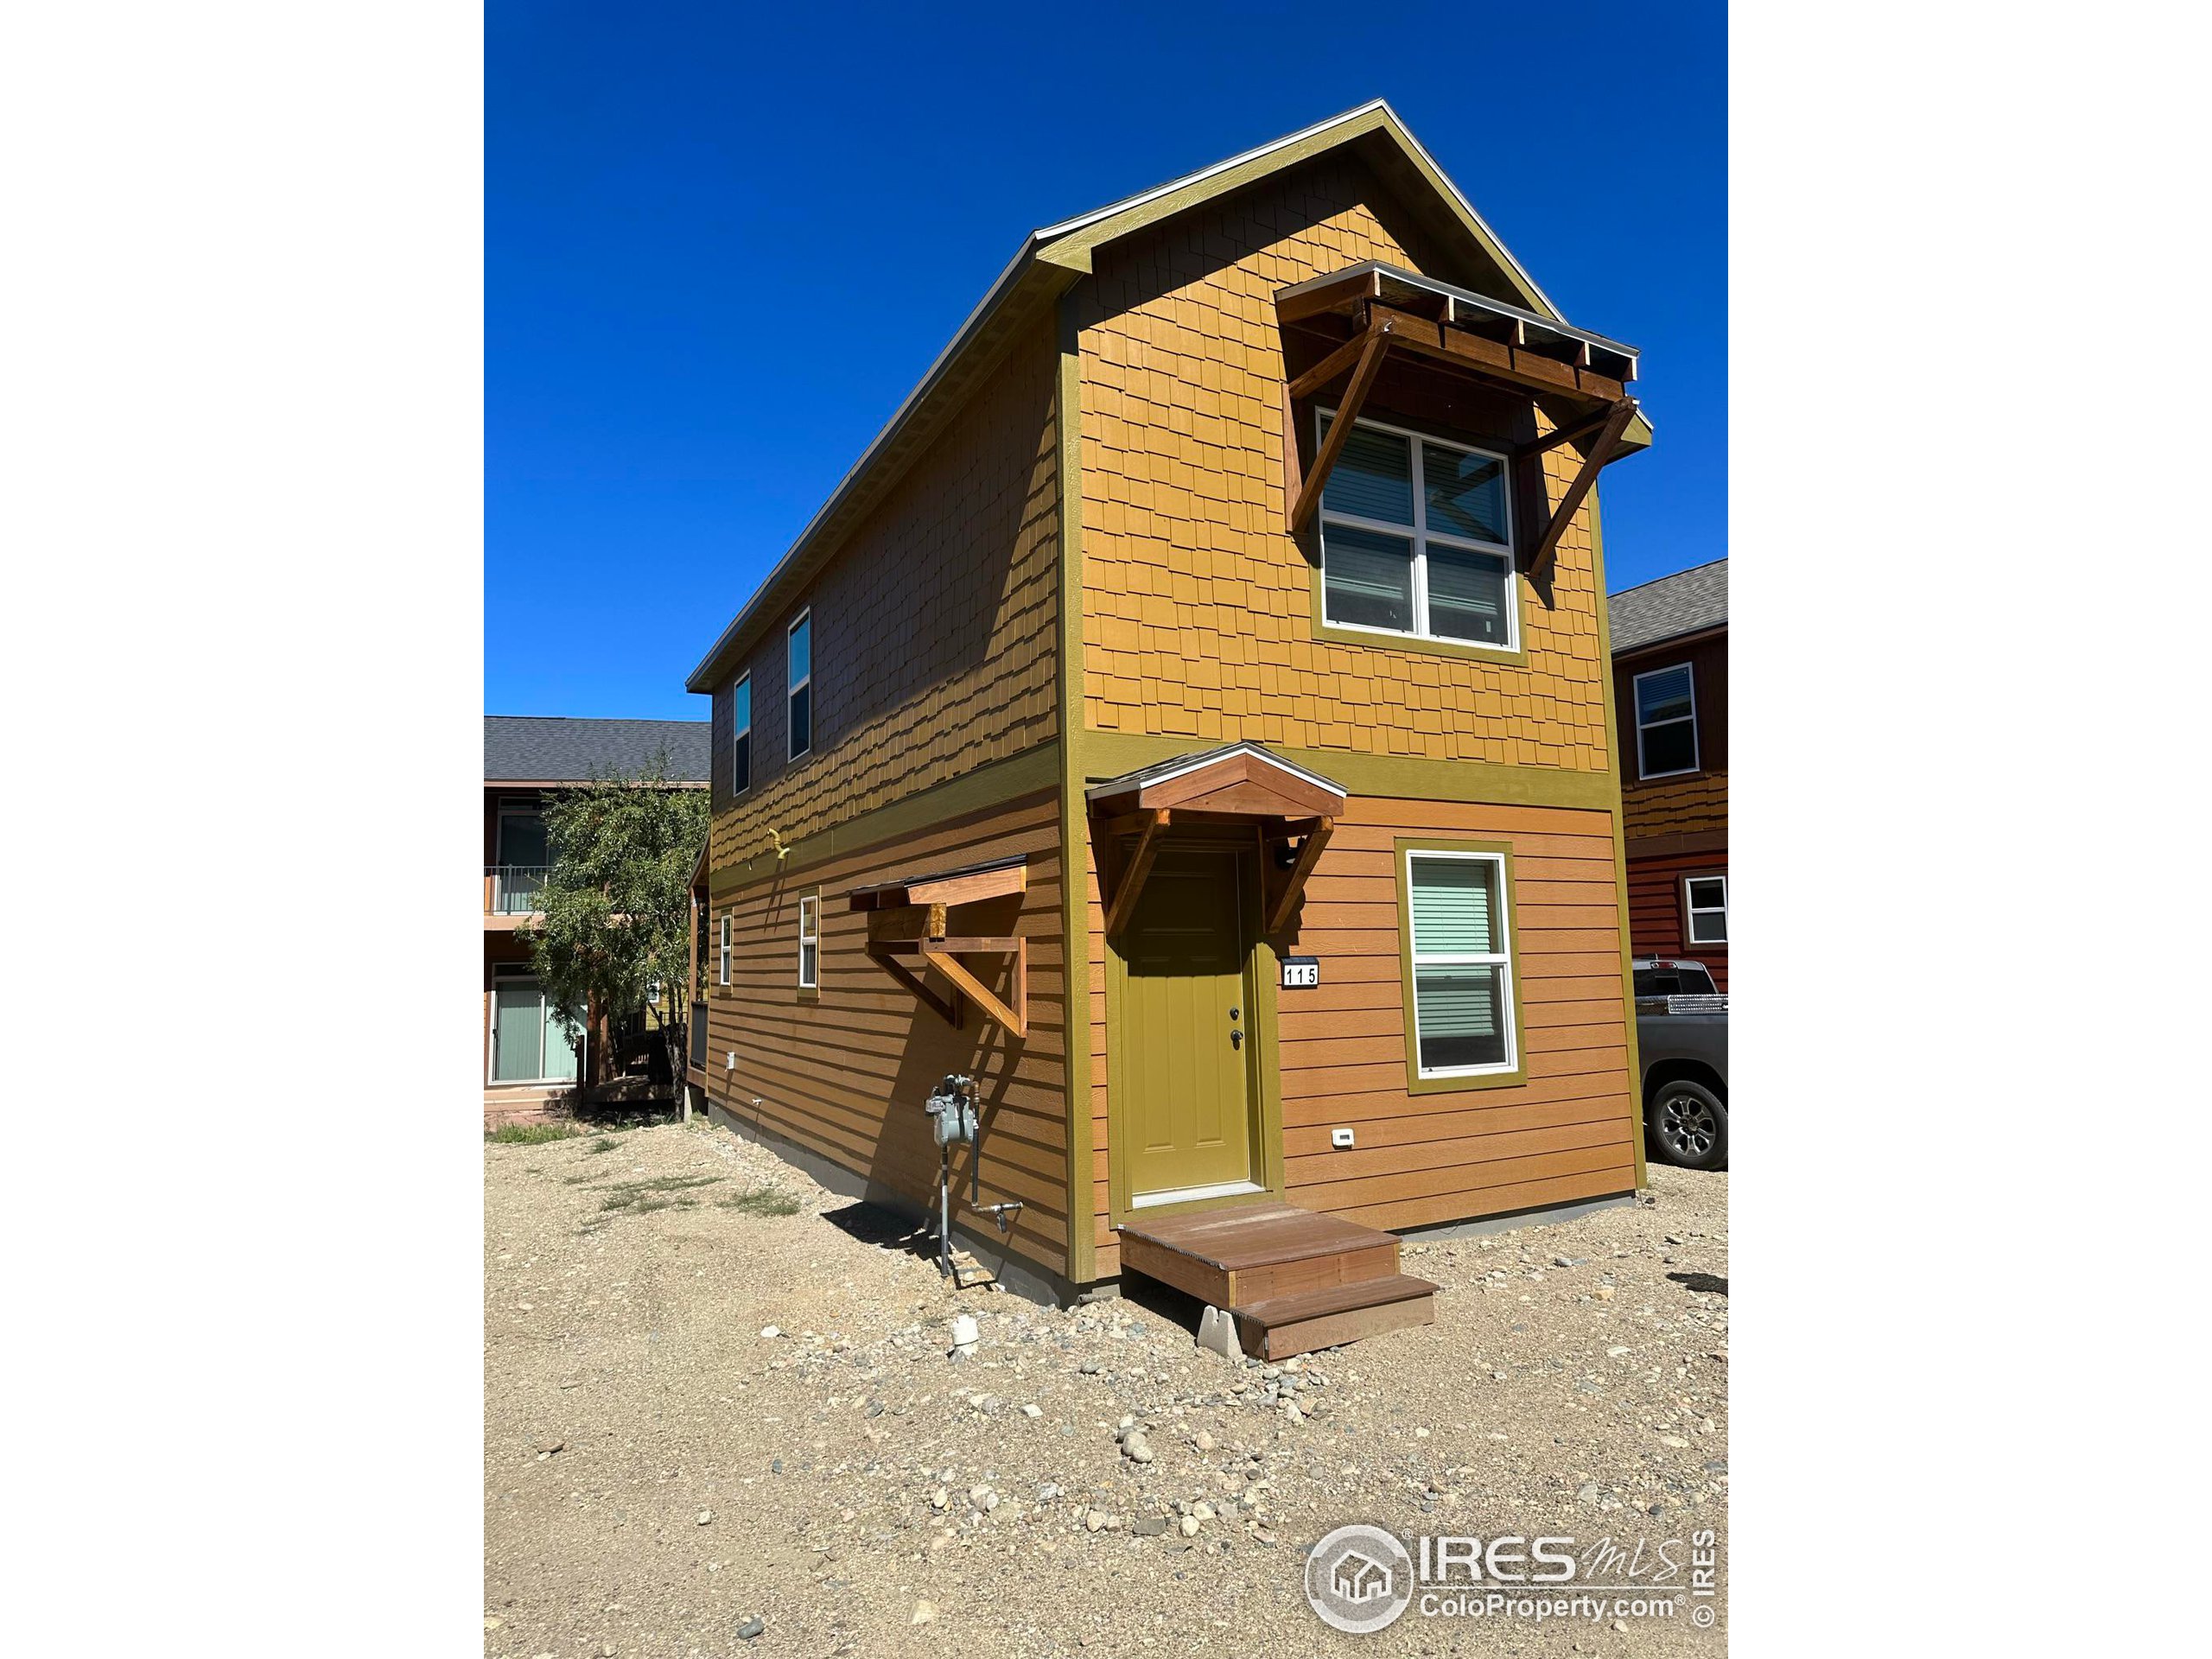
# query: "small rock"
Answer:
x=1190 y=1525
x=1587 y=1492
x=1089 y=1368
x=923 y=1613
x=751 y=1628
x=1150 y=1526
x=1291 y=1412
x=1674 y=1440
x=770 y=1332
x=706 y=1516
x=1032 y=1411
x=1135 y=1447
x=1202 y=1511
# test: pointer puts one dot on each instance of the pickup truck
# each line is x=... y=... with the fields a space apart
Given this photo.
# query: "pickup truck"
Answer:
x=1681 y=1033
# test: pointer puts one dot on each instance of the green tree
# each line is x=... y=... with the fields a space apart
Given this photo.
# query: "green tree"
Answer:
x=617 y=900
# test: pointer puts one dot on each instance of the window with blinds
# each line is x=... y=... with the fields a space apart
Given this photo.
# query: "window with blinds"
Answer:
x=1462 y=963
x=1416 y=538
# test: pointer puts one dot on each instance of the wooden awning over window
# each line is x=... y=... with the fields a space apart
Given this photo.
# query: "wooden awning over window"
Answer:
x=1241 y=785
x=1370 y=311
x=913 y=916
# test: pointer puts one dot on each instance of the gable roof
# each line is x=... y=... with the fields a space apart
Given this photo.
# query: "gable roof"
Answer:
x=1689 y=601
x=1051 y=260
x=555 y=749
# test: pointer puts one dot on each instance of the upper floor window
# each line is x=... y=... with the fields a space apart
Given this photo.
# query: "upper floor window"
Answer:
x=1417 y=539
x=721 y=975
x=810 y=941
x=1666 y=722
x=741 y=742
x=799 y=663
x=1462 y=963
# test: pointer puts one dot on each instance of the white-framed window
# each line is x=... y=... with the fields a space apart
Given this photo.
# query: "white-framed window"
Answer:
x=798 y=666
x=1666 y=722
x=1417 y=539
x=722 y=955
x=740 y=740
x=1462 y=963
x=810 y=941
x=1704 y=909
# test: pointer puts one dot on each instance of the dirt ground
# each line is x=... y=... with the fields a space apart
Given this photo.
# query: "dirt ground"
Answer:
x=711 y=1428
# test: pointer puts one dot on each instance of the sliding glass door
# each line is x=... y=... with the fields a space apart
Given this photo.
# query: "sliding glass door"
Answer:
x=529 y=1041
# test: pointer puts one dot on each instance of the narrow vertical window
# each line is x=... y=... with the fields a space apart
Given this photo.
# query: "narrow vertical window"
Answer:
x=1705 y=905
x=798 y=662
x=1666 y=722
x=810 y=941
x=740 y=741
x=1462 y=963
x=722 y=971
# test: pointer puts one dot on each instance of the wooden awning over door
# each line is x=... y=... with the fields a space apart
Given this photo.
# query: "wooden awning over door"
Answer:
x=1242 y=784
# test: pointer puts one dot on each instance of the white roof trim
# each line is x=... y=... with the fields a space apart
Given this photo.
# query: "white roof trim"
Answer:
x=997 y=292
x=1080 y=220
x=1211 y=758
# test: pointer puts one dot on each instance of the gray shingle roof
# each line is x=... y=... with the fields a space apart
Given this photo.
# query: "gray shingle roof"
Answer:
x=1688 y=601
x=555 y=749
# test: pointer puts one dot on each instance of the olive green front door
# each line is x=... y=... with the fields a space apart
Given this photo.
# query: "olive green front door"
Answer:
x=1184 y=1100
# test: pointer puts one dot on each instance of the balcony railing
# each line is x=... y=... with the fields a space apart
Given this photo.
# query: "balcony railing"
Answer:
x=512 y=889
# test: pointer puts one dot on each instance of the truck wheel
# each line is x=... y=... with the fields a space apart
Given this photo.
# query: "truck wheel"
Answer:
x=1689 y=1126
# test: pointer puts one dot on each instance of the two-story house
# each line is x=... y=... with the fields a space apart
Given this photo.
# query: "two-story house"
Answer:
x=1670 y=677
x=1191 y=718
x=530 y=1063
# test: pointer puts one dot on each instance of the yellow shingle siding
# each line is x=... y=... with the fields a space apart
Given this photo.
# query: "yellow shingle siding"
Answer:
x=1197 y=603
x=934 y=633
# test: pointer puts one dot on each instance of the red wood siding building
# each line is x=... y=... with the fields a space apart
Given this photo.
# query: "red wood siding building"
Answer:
x=1671 y=685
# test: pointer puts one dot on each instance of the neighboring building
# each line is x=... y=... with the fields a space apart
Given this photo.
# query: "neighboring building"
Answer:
x=529 y=1063
x=1670 y=675
x=1083 y=723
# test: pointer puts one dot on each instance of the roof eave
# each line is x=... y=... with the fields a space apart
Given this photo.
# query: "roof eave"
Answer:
x=1023 y=269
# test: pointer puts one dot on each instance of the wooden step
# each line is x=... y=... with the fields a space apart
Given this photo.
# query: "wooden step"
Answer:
x=1283 y=1325
x=1250 y=1252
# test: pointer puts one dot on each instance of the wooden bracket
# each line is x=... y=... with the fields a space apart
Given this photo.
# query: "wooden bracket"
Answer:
x=938 y=954
x=1601 y=451
x=1129 y=880
x=1372 y=345
x=1293 y=885
x=946 y=1008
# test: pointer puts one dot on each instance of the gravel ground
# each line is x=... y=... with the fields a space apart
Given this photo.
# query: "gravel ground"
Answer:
x=711 y=1428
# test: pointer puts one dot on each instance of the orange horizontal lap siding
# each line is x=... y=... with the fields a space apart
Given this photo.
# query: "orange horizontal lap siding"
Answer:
x=845 y=1072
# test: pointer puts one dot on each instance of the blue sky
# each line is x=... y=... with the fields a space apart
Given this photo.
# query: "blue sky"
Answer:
x=723 y=242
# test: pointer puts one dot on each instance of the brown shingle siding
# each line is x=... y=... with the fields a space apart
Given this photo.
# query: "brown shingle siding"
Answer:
x=933 y=633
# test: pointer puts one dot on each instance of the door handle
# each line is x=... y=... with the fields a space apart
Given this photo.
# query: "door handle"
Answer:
x=1236 y=1038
